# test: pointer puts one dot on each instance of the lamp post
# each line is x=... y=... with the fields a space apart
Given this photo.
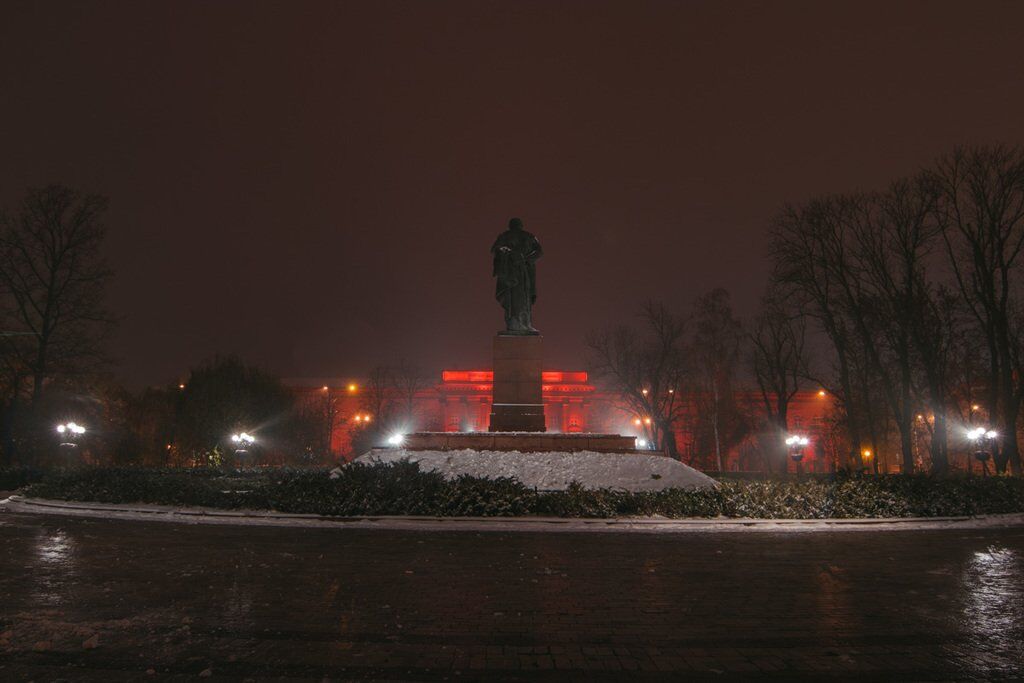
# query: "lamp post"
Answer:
x=243 y=442
x=797 y=443
x=68 y=434
x=329 y=415
x=982 y=439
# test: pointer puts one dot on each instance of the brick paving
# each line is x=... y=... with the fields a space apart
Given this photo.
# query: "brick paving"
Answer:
x=116 y=600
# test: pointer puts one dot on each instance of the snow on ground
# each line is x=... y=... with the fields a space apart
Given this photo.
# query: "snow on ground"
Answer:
x=554 y=471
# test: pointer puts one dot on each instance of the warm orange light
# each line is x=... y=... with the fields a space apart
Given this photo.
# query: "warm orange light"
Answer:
x=671 y=391
x=637 y=422
x=975 y=407
x=352 y=387
x=643 y=391
x=866 y=453
x=181 y=386
x=821 y=392
x=647 y=420
x=366 y=418
x=323 y=388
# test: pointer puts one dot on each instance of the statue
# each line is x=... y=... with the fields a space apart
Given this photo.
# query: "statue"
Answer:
x=515 y=253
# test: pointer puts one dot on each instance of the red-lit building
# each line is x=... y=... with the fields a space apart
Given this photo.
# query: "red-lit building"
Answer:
x=465 y=400
x=461 y=402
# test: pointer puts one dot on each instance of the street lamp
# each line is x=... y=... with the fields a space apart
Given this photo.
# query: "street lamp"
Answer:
x=797 y=444
x=69 y=432
x=243 y=441
x=982 y=439
x=396 y=440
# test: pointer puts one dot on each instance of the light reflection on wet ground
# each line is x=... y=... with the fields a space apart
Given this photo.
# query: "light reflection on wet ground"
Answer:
x=109 y=600
x=992 y=596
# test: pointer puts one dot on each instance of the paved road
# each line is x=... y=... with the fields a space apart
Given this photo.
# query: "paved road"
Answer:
x=115 y=600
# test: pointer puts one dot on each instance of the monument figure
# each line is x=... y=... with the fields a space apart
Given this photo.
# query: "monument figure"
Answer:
x=515 y=255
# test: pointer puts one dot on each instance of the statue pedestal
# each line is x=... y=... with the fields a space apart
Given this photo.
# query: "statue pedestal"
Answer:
x=517 y=402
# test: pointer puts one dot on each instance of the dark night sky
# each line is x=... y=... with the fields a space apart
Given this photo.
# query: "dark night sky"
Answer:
x=315 y=186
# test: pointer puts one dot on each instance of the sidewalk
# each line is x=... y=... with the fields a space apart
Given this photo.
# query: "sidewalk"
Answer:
x=196 y=515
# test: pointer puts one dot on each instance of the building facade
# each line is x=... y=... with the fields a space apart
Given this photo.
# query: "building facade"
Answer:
x=461 y=402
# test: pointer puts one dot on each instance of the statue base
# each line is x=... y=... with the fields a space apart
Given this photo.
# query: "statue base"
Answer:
x=517 y=403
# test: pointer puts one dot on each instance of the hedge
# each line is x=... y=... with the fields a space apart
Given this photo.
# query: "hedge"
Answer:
x=402 y=489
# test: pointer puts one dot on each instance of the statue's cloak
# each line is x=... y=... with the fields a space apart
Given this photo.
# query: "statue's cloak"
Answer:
x=515 y=255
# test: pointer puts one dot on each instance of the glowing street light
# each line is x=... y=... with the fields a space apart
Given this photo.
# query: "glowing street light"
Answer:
x=353 y=388
x=396 y=439
x=243 y=441
x=797 y=443
x=69 y=432
x=983 y=439
x=641 y=444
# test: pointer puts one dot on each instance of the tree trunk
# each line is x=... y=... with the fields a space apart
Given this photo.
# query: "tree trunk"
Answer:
x=714 y=424
x=906 y=449
x=1011 y=408
x=668 y=441
x=940 y=442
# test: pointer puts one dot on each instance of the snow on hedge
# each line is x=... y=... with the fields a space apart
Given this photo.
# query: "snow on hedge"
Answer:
x=554 y=471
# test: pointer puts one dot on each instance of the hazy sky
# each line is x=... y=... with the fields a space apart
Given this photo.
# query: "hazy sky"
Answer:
x=315 y=186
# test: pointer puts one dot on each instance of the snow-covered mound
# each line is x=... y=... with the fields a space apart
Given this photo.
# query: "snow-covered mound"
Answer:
x=554 y=471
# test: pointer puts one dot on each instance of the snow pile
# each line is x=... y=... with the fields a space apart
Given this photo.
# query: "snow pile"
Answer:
x=554 y=471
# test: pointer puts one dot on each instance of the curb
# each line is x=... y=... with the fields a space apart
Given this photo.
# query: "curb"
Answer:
x=196 y=515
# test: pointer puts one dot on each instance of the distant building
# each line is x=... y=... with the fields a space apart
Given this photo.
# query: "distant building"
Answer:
x=461 y=402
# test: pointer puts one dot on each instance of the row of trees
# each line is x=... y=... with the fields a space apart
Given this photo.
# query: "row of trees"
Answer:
x=52 y=316
x=917 y=290
x=676 y=368
x=53 y=325
x=910 y=297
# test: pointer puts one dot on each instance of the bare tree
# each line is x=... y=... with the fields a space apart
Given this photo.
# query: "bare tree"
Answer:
x=646 y=367
x=52 y=281
x=717 y=338
x=808 y=247
x=898 y=309
x=779 y=364
x=982 y=220
x=409 y=381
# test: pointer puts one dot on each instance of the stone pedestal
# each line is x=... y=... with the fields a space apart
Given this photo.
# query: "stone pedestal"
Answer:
x=517 y=402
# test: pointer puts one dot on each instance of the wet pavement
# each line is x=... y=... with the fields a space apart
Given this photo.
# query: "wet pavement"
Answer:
x=113 y=600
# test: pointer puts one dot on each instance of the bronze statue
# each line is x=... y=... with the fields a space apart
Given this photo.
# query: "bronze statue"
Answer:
x=515 y=253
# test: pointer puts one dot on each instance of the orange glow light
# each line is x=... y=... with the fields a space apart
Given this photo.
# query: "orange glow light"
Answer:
x=821 y=392
x=352 y=387
x=647 y=420
x=866 y=453
x=637 y=422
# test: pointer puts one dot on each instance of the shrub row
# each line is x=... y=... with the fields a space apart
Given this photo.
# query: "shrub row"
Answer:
x=401 y=489
x=13 y=478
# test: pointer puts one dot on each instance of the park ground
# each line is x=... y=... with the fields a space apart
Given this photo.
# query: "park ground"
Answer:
x=108 y=600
